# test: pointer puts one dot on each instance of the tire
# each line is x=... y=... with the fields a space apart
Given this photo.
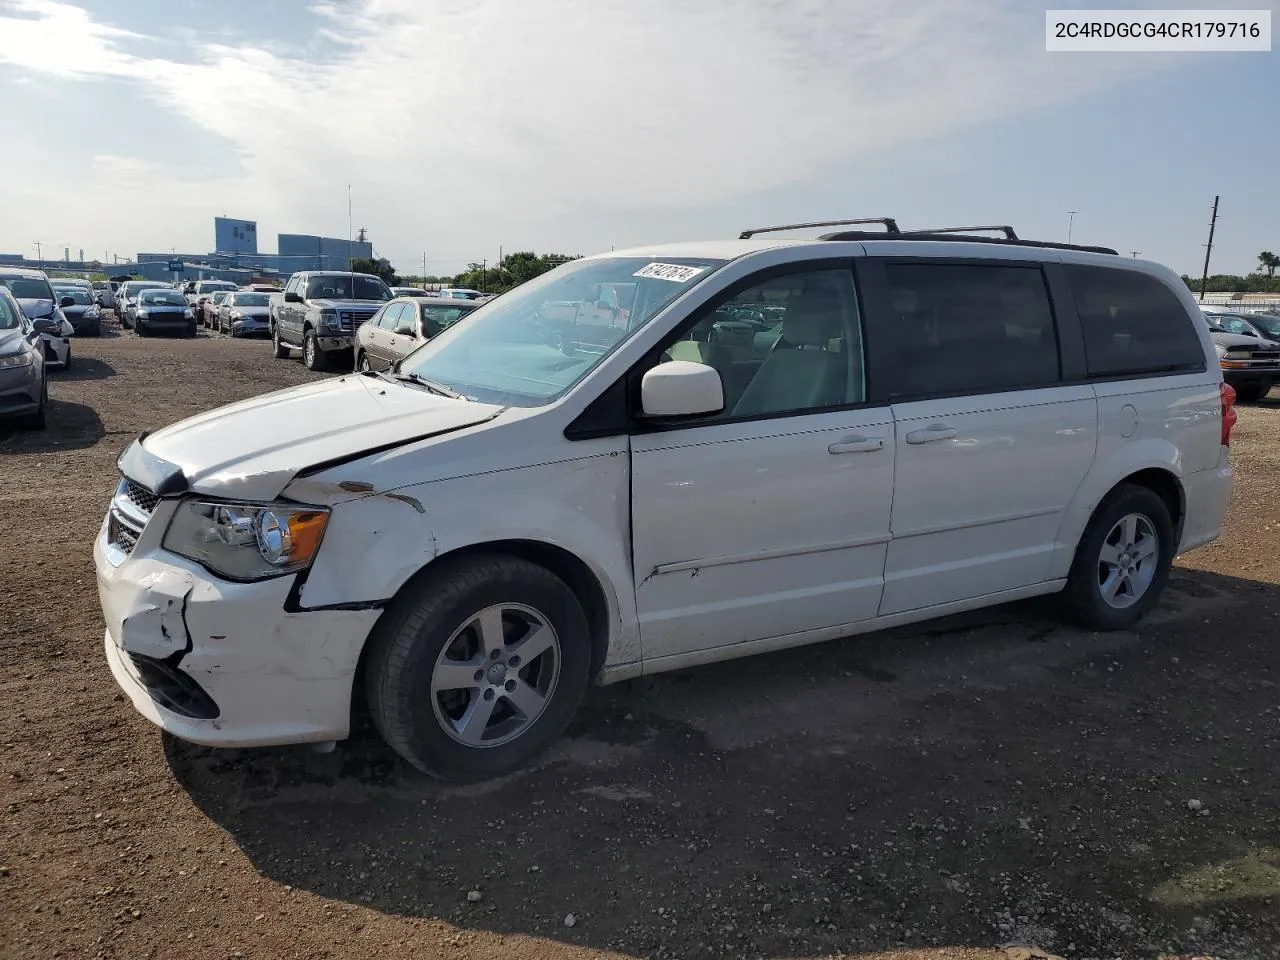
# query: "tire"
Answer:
x=437 y=614
x=67 y=363
x=278 y=348
x=1253 y=391
x=1083 y=599
x=38 y=420
x=313 y=358
x=192 y=329
x=140 y=329
x=362 y=363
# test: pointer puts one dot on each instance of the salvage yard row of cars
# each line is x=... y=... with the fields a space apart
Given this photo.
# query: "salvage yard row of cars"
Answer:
x=655 y=458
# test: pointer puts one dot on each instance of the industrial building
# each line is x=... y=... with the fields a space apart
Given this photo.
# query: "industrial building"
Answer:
x=235 y=257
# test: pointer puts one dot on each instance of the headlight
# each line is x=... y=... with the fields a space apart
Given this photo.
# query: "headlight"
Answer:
x=243 y=541
x=1221 y=350
x=91 y=314
x=188 y=313
x=328 y=318
x=237 y=316
x=16 y=360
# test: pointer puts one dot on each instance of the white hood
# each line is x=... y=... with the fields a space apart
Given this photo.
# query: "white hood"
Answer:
x=252 y=449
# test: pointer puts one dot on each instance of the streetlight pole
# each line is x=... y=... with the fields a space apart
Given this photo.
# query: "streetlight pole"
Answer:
x=1071 y=220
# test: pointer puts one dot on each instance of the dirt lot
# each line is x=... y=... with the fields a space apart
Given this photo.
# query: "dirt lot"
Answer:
x=938 y=792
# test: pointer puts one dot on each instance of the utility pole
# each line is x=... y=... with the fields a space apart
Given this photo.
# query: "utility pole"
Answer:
x=484 y=269
x=1134 y=253
x=1071 y=220
x=349 y=229
x=1213 y=222
x=39 y=255
x=424 y=269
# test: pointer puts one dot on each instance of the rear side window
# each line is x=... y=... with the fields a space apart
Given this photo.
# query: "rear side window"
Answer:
x=969 y=328
x=1132 y=323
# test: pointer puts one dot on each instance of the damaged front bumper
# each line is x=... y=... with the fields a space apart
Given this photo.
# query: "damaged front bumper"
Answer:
x=220 y=663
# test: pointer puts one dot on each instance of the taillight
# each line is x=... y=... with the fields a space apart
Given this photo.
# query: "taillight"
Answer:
x=1228 y=394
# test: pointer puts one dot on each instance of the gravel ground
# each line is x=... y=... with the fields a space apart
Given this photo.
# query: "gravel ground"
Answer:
x=942 y=791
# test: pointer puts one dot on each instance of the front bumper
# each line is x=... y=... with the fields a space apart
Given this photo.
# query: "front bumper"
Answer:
x=57 y=349
x=19 y=391
x=332 y=340
x=272 y=677
x=250 y=328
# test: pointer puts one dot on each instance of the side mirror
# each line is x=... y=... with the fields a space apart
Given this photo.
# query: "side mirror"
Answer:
x=47 y=325
x=680 y=388
x=67 y=302
x=292 y=297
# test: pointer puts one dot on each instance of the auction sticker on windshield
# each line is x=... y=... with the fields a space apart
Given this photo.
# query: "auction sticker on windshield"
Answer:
x=669 y=271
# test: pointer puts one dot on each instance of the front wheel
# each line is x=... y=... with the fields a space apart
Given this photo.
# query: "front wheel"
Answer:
x=479 y=667
x=362 y=362
x=313 y=358
x=278 y=348
x=191 y=329
x=1253 y=391
x=1122 y=562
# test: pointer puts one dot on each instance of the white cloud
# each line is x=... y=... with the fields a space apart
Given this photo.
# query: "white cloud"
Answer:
x=499 y=116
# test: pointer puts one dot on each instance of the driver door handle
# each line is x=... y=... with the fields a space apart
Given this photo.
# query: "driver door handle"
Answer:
x=857 y=444
x=935 y=431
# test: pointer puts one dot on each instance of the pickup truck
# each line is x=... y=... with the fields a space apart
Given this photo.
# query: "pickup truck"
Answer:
x=319 y=313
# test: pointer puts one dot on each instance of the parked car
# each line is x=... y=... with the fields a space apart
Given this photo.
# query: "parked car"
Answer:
x=402 y=326
x=244 y=313
x=39 y=303
x=207 y=308
x=497 y=524
x=127 y=298
x=320 y=312
x=458 y=293
x=104 y=294
x=409 y=292
x=199 y=291
x=163 y=309
x=83 y=312
x=1249 y=362
x=24 y=392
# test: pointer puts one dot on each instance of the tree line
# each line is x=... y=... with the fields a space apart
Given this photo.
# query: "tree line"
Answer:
x=511 y=271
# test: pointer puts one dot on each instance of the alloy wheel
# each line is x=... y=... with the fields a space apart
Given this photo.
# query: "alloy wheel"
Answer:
x=1128 y=561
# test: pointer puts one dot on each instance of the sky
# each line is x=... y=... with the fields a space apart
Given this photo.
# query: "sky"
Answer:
x=466 y=127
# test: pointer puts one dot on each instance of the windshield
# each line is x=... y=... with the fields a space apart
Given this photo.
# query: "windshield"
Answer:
x=28 y=288
x=132 y=289
x=10 y=319
x=533 y=343
x=250 y=300
x=163 y=298
x=79 y=294
x=210 y=285
x=338 y=286
x=1267 y=323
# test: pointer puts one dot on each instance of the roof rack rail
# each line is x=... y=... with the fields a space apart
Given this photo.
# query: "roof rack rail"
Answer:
x=1000 y=228
x=890 y=226
x=914 y=236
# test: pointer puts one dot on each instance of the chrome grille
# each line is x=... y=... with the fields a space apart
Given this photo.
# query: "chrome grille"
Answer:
x=141 y=497
x=352 y=318
x=130 y=511
x=121 y=537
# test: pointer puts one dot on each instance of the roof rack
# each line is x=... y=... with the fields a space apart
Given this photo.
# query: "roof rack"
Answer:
x=938 y=235
x=1003 y=228
x=890 y=226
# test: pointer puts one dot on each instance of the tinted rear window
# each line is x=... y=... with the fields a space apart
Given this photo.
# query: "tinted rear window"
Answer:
x=969 y=328
x=1132 y=323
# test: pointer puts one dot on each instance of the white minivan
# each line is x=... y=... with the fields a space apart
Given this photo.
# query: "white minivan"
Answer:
x=777 y=442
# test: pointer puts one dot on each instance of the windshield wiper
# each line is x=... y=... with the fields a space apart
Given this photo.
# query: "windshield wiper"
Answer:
x=431 y=385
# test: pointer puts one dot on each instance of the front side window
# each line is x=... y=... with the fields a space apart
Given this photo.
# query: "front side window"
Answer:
x=1132 y=323
x=389 y=318
x=968 y=328
x=791 y=344
x=529 y=346
x=1235 y=325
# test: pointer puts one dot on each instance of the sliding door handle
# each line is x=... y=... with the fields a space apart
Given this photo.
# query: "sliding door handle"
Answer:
x=935 y=431
x=857 y=444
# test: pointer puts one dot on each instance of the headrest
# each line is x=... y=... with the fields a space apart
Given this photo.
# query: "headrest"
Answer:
x=812 y=319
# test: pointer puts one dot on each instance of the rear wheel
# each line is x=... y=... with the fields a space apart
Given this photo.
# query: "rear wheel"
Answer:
x=1122 y=562
x=478 y=668
x=278 y=348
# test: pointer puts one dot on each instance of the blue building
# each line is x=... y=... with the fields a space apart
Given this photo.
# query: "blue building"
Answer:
x=235 y=236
